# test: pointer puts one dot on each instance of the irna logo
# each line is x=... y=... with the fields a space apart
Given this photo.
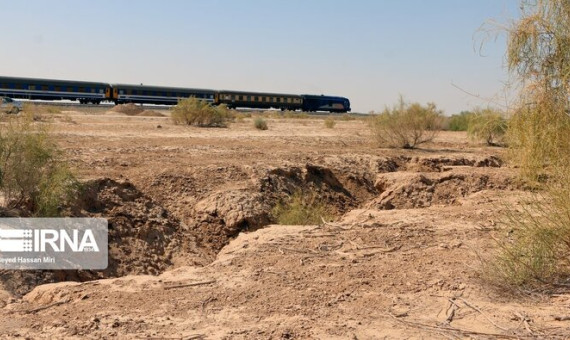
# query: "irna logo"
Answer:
x=52 y=240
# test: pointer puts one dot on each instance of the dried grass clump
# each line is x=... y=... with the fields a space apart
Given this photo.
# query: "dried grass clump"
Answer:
x=535 y=253
x=260 y=123
x=192 y=111
x=406 y=125
x=301 y=208
x=330 y=122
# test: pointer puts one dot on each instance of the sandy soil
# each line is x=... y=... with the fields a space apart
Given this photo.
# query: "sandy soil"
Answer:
x=193 y=256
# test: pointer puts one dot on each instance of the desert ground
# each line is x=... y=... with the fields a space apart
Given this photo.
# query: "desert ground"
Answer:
x=193 y=253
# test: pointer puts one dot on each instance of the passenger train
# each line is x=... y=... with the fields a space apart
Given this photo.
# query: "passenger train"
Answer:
x=95 y=93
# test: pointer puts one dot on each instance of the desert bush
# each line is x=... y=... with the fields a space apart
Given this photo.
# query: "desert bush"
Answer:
x=347 y=117
x=459 y=122
x=330 y=122
x=260 y=123
x=487 y=125
x=192 y=111
x=301 y=208
x=537 y=250
x=406 y=125
x=539 y=136
x=33 y=176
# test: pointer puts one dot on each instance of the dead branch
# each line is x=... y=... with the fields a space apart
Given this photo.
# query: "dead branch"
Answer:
x=35 y=310
x=450 y=329
x=482 y=313
x=190 y=284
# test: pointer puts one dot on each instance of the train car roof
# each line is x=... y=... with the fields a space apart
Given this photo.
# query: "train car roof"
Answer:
x=161 y=88
x=260 y=93
x=322 y=96
x=51 y=81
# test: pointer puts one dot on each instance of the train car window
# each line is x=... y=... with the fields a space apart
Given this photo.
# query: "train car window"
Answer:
x=4 y=86
x=31 y=87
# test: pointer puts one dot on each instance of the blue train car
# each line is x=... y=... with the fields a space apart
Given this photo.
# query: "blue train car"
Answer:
x=143 y=94
x=52 y=89
x=313 y=103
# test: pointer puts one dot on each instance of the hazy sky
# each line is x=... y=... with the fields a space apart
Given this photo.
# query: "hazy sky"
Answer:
x=369 y=51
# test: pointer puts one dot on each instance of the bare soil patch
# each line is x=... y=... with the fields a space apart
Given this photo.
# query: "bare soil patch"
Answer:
x=193 y=254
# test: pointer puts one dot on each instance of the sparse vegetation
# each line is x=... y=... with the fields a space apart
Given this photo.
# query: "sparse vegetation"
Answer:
x=192 y=111
x=330 y=122
x=406 y=125
x=33 y=176
x=301 y=208
x=260 y=123
x=537 y=250
x=487 y=125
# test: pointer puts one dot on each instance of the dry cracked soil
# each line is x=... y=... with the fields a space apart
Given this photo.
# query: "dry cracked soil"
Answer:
x=193 y=253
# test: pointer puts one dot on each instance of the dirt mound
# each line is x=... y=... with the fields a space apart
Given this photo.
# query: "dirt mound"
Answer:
x=439 y=164
x=129 y=109
x=150 y=113
x=223 y=215
x=409 y=190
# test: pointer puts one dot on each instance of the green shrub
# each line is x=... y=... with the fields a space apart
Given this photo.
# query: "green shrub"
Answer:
x=536 y=251
x=459 y=122
x=260 y=123
x=487 y=125
x=302 y=208
x=330 y=122
x=192 y=111
x=33 y=175
x=406 y=125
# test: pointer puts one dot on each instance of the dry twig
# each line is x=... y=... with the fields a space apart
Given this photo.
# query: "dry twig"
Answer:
x=190 y=284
